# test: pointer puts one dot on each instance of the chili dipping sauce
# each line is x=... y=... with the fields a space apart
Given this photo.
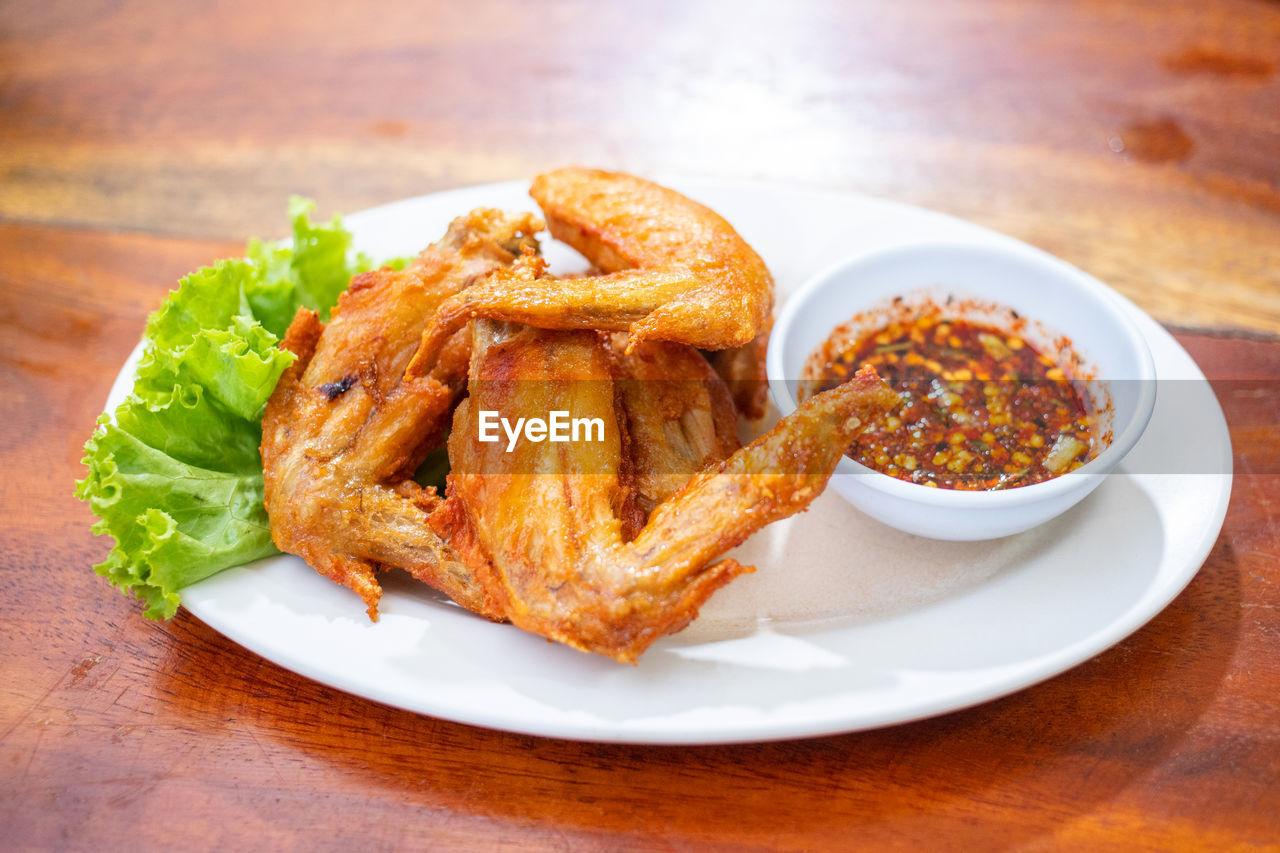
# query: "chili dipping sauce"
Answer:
x=982 y=409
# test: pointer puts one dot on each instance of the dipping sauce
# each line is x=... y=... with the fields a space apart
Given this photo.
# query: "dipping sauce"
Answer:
x=982 y=409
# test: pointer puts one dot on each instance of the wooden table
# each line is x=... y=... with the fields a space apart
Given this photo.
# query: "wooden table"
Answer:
x=1140 y=141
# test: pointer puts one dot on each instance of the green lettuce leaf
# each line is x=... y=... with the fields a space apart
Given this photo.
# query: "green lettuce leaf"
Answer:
x=174 y=523
x=312 y=272
x=174 y=474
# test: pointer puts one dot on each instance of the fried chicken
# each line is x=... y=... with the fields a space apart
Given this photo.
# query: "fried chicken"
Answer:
x=544 y=527
x=743 y=371
x=673 y=269
x=680 y=416
x=604 y=543
x=345 y=428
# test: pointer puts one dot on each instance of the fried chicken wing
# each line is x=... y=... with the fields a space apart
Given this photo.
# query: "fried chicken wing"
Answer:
x=743 y=371
x=680 y=416
x=544 y=527
x=673 y=270
x=605 y=541
x=345 y=428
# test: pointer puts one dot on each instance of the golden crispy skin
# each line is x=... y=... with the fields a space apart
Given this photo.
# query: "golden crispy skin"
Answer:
x=604 y=545
x=743 y=371
x=673 y=269
x=680 y=417
x=543 y=527
x=345 y=428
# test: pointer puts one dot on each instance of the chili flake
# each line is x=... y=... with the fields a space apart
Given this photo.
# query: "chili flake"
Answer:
x=982 y=409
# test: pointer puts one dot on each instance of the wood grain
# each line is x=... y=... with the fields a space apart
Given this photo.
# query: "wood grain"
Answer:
x=140 y=140
x=1140 y=141
x=116 y=730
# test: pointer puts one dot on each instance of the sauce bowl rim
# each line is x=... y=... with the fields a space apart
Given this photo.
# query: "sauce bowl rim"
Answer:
x=807 y=298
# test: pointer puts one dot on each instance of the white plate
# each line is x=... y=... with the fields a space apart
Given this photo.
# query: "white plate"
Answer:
x=846 y=625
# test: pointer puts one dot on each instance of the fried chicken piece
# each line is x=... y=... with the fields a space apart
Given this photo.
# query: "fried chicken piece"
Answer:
x=743 y=371
x=345 y=428
x=680 y=417
x=674 y=270
x=543 y=527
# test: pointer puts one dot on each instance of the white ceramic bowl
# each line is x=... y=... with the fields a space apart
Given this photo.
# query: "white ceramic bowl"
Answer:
x=1062 y=299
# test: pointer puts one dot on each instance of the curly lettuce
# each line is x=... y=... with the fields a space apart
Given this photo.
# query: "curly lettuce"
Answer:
x=174 y=474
